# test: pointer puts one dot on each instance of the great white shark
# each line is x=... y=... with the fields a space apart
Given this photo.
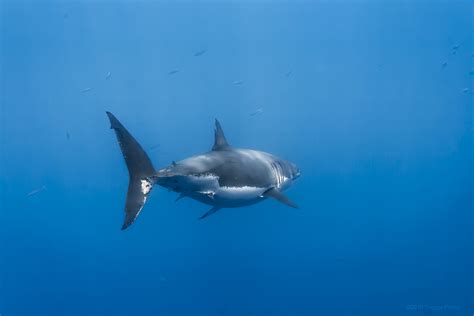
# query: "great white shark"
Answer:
x=224 y=177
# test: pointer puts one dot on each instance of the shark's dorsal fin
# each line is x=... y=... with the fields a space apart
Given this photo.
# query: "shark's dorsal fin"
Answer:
x=220 y=143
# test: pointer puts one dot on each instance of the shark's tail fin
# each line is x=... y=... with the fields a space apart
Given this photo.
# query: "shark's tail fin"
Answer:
x=140 y=170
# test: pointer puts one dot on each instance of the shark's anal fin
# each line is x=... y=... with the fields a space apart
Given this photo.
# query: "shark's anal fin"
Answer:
x=220 y=143
x=279 y=196
x=210 y=212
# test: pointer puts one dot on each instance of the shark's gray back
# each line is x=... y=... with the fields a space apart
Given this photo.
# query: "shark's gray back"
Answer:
x=234 y=167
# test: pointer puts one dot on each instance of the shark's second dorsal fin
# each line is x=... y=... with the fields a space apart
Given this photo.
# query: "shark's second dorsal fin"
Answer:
x=220 y=143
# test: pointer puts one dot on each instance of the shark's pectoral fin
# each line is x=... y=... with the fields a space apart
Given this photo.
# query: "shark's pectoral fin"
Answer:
x=279 y=196
x=210 y=212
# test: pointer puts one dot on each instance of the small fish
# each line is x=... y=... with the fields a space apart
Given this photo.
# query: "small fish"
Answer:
x=86 y=90
x=107 y=76
x=471 y=72
x=466 y=90
x=199 y=53
x=256 y=112
x=67 y=135
x=288 y=74
x=238 y=82
x=66 y=15
x=444 y=64
x=155 y=146
x=172 y=72
x=455 y=47
x=36 y=191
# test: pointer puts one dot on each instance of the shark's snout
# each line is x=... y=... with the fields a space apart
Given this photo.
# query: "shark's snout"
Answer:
x=295 y=171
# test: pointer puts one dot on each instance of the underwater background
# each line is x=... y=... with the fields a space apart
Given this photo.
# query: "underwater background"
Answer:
x=371 y=99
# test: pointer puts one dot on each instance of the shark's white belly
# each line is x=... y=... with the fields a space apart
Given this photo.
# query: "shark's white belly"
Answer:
x=238 y=196
x=207 y=189
x=227 y=179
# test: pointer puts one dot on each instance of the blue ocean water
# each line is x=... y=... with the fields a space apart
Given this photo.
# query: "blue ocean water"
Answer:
x=371 y=99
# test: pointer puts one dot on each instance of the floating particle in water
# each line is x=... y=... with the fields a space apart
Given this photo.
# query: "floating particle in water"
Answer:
x=66 y=15
x=199 y=53
x=466 y=90
x=107 y=76
x=288 y=74
x=86 y=90
x=172 y=72
x=444 y=64
x=36 y=191
x=256 y=112
x=67 y=135
x=455 y=49
x=471 y=72
x=155 y=147
x=238 y=82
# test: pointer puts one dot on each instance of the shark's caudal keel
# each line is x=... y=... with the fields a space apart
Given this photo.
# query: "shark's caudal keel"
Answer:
x=223 y=177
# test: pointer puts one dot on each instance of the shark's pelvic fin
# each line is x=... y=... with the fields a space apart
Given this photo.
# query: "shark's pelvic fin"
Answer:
x=279 y=196
x=220 y=143
x=210 y=212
